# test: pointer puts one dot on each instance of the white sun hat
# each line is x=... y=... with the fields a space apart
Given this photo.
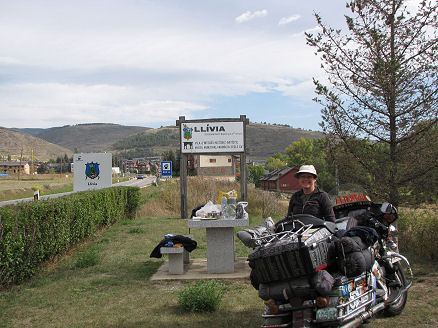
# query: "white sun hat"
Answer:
x=307 y=169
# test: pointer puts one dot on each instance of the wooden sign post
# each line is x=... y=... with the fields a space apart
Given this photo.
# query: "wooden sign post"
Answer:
x=219 y=136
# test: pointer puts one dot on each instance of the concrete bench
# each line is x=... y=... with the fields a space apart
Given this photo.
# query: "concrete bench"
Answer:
x=178 y=256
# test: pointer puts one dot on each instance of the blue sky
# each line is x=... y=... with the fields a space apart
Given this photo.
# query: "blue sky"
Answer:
x=136 y=62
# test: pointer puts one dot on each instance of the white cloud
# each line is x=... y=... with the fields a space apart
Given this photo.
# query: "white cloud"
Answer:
x=312 y=30
x=287 y=20
x=248 y=15
x=54 y=104
x=8 y=60
x=62 y=64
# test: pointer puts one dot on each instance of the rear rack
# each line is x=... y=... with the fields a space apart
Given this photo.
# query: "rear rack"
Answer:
x=291 y=235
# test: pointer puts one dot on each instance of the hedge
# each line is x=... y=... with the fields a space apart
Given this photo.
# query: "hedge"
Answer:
x=34 y=232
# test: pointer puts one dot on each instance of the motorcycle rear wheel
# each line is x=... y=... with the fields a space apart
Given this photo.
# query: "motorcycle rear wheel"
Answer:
x=397 y=307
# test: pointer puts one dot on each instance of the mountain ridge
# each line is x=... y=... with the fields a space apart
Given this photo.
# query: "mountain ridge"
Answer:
x=263 y=140
x=16 y=145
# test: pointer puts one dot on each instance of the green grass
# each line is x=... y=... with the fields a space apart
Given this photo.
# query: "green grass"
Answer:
x=116 y=291
x=88 y=258
x=113 y=288
x=12 y=188
x=202 y=296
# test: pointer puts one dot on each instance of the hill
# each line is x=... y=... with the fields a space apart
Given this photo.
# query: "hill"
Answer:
x=263 y=140
x=95 y=137
x=32 y=131
x=13 y=142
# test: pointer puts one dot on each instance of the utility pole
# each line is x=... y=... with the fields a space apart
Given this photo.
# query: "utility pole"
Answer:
x=33 y=166
x=21 y=158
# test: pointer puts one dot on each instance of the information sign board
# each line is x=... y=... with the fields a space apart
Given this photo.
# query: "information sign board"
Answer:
x=212 y=137
x=166 y=168
x=92 y=171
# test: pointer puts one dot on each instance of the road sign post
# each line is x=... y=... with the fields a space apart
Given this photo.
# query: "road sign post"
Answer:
x=166 y=169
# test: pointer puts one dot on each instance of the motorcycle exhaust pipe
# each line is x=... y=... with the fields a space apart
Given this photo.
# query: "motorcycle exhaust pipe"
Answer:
x=364 y=316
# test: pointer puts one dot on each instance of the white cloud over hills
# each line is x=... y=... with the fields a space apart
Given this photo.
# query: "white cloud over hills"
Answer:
x=147 y=63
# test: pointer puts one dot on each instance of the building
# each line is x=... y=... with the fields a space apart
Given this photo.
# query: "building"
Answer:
x=140 y=165
x=14 y=167
x=281 y=180
x=212 y=165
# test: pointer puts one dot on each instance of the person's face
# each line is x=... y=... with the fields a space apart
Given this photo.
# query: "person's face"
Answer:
x=307 y=181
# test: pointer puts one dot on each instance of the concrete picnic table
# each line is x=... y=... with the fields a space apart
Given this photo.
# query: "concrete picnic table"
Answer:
x=220 y=242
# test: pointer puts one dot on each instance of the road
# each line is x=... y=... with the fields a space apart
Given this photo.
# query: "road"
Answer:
x=142 y=183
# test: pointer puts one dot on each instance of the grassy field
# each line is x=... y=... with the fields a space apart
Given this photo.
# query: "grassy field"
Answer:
x=105 y=283
x=12 y=188
x=116 y=292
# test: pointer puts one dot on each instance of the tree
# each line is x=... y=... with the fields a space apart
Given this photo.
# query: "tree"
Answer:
x=256 y=172
x=314 y=152
x=423 y=188
x=170 y=156
x=382 y=84
x=276 y=161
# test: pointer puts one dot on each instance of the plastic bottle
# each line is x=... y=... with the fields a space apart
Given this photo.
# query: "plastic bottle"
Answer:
x=231 y=207
x=223 y=206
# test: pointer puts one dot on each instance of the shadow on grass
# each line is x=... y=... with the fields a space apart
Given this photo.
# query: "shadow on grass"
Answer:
x=145 y=270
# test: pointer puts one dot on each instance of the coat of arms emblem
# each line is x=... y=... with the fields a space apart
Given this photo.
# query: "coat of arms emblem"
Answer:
x=92 y=170
x=187 y=132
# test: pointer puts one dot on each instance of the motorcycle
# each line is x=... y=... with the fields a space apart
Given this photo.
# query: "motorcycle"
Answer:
x=314 y=273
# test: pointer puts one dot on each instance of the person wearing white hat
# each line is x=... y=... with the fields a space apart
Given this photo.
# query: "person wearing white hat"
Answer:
x=310 y=199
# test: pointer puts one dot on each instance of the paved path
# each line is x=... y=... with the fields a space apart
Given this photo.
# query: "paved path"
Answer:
x=142 y=183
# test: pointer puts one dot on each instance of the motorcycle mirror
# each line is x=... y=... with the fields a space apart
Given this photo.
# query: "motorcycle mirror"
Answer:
x=387 y=208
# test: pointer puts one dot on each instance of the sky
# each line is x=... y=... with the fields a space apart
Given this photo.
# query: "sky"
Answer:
x=145 y=63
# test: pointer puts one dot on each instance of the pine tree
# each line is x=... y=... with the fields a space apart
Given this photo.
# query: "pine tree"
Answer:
x=382 y=86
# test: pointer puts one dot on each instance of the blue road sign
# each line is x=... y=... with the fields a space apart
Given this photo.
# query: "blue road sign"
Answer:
x=166 y=169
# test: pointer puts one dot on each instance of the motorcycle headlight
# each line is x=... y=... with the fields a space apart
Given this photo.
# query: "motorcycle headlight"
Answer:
x=393 y=232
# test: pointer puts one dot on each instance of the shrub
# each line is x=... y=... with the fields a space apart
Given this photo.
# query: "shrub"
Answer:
x=167 y=200
x=201 y=296
x=87 y=259
x=418 y=232
x=35 y=188
x=136 y=230
x=265 y=203
x=34 y=232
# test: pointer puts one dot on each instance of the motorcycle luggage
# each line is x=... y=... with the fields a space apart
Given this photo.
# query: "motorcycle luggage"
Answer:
x=323 y=282
x=284 y=290
x=353 y=256
x=348 y=298
x=294 y=257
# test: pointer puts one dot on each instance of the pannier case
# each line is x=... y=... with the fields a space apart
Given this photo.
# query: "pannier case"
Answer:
x=292 y=257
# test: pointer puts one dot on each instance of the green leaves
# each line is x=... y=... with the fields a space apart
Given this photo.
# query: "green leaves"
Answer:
x=255 y=174
x=381 y=83
x=201 y=296
x=33 y=232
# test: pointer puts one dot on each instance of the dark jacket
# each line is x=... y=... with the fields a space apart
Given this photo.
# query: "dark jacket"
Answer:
x=188 y=243
x=318 y=205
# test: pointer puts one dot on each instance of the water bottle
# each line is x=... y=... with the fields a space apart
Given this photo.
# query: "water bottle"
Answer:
x=231 y=208
x=223 y=206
